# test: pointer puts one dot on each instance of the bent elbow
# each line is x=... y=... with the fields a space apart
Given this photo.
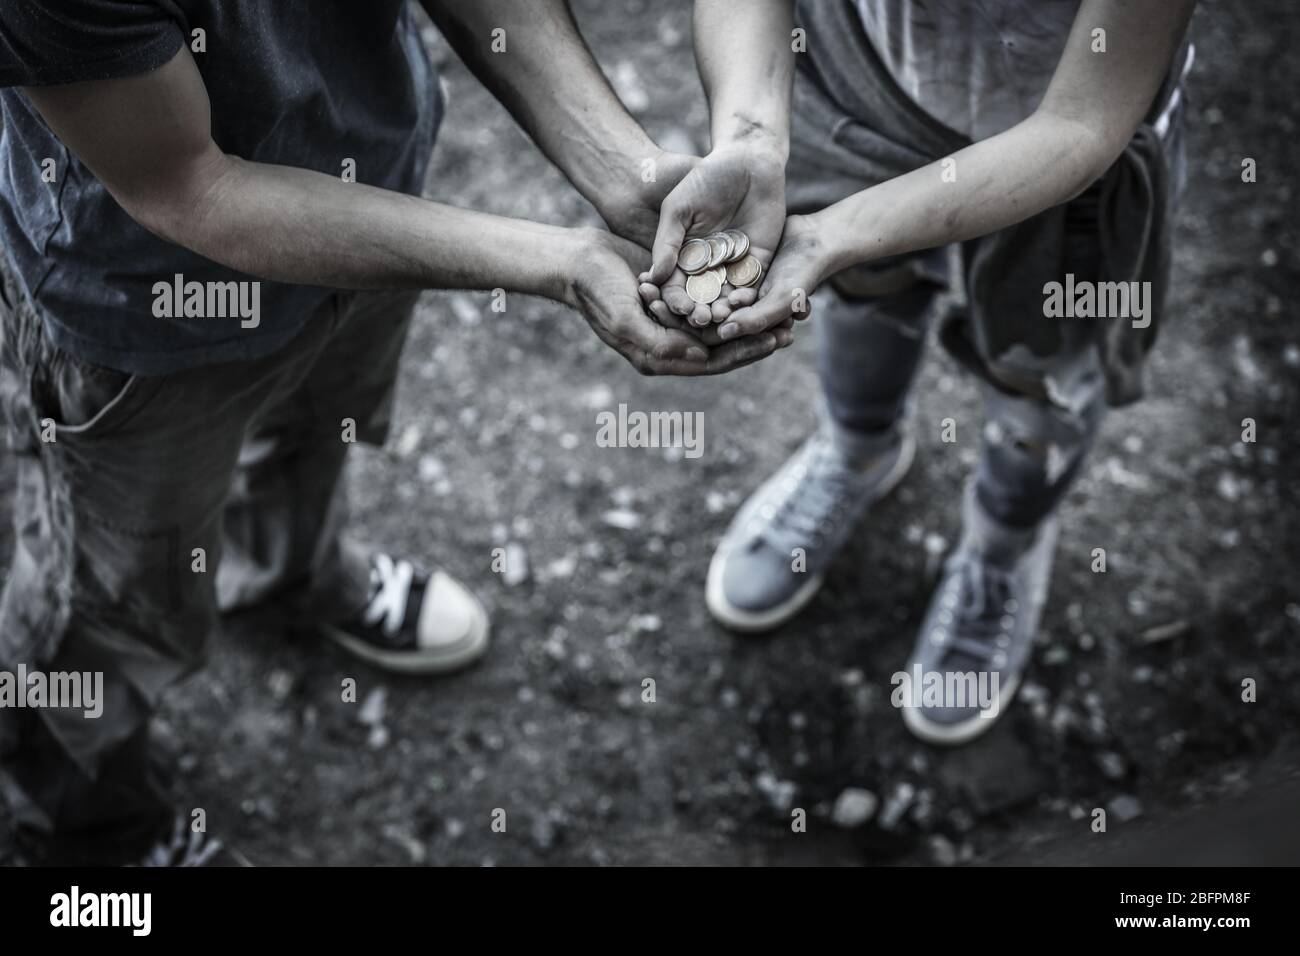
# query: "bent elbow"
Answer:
x=175 y=208
x=1086 y=150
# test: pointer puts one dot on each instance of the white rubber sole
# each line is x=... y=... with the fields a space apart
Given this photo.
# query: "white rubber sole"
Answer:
x=756 y=622
x=442 y=660
x=753 y=622
x=952 y=735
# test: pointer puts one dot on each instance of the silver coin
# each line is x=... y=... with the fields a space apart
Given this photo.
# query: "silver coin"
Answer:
x=744 y=273
x=729 y=238
x=718 y=247
x=704 y=288
x=694 y=256
x=740 y=244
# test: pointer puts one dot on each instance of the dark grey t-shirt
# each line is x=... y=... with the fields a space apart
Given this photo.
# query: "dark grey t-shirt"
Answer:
x=291 y=82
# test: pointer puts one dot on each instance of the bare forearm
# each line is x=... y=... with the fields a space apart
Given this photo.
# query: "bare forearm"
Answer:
x=552 y=85
x=293 y=225
x=993 y=184
x=747 y=65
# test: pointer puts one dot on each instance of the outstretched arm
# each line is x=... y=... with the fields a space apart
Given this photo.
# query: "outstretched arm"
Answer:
x=549 y=81
x=746 y=62
x=147 y=138
x=1086 y=119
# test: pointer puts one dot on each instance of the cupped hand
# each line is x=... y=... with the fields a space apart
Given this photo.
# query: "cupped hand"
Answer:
x=600 y=282
x=785 y=293
x=631 y=205
x=734 y=187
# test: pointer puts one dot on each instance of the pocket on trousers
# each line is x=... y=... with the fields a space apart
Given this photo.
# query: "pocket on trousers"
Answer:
x=85 y=400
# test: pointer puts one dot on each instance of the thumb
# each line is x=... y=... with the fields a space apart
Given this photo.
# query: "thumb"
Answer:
x=668 y=239
x=773 y=307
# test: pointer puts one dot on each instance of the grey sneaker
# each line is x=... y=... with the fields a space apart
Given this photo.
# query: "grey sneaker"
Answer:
x=811 y=503
x=979 y=630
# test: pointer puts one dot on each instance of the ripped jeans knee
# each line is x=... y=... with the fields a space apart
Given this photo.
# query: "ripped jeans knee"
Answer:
x=1032 y=451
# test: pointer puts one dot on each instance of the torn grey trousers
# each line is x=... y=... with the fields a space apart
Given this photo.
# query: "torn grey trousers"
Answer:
x=1046 y=382
x=870 y=349
x=160 y=501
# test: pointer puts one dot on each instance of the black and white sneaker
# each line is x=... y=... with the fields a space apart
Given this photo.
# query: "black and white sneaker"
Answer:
x=415 y=622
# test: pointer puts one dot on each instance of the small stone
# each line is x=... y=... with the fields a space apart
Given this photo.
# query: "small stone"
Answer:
x=935 y=544
x=516 y=571
x=935 y=548
x=1125 y=808
x=1137 y=604
x=463 y=307
x=1165 y=632
x=621 y=518
x=543 y=833
x=942 y=852
x=598 y=397
x=562 y=567
x=715 y=502
x=280 y=683
x=779 y=793
x=1112 y=765
x=407 y=442
x=431 y=469
x=372 y=708
x=853 y=808
x=898 y=803
x=415 y=850
x=1056 y=655
x=1033 y=693
x=1228 y=486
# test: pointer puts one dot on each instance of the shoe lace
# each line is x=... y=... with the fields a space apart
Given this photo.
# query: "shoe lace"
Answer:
x=984 y=605
x=390 y=588
x=196 y=849
x=809 y=507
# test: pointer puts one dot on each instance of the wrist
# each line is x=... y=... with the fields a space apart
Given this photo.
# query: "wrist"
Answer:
x=762 y=161
x=812 y=239
x=848 y=236
x=609 y=175
x=569 y=252
x=754 y=137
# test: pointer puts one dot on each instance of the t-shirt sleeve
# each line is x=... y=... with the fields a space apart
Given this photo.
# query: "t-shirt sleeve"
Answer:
x=46 y=42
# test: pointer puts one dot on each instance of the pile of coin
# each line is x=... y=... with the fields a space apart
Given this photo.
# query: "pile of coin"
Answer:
x=716 y=264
